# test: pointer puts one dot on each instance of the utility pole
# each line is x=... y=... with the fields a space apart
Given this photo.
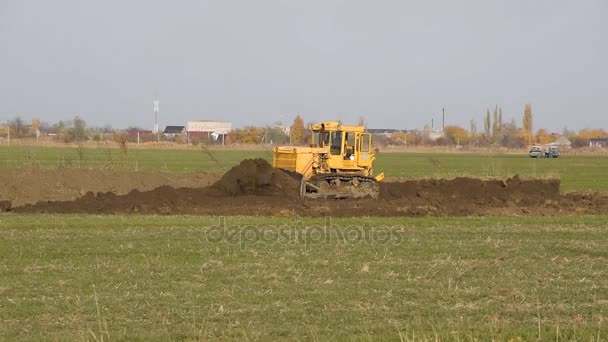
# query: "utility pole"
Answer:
x=443 y=122
x=8 y=134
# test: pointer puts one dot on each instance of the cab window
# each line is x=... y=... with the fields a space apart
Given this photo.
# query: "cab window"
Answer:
x=336 y=143
x=365 y=142
x=349 y=147
x=316 y=138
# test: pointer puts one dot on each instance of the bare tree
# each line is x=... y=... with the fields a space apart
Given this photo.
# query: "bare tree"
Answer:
x=362 y=122
x=18 y=128
x=122 y=138
x=500 y=119
x=79 y=129
x=496 y=127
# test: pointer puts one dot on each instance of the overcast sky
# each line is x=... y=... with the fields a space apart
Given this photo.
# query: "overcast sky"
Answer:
x=396 y=63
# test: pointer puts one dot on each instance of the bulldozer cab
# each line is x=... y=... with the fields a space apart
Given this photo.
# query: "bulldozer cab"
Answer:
x=348 y=146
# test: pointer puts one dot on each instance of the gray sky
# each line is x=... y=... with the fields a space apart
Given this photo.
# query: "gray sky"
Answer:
x=396 y=63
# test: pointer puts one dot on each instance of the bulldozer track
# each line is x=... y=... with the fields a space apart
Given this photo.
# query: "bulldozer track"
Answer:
x=339 y=186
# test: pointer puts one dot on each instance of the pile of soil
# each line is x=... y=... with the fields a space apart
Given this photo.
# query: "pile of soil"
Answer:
x=473 y=189
x=469 y=196
x=255 y=188
x=257 y=177
x=251 y=179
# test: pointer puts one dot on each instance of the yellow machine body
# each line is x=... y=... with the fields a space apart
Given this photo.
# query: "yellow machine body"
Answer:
x=338 y=163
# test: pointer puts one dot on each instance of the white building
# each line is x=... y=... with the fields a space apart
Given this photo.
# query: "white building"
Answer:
x=208 y=130
x=219 y=127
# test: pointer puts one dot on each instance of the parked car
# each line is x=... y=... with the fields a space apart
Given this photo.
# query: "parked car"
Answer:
x=552 y=152
x=536 y=152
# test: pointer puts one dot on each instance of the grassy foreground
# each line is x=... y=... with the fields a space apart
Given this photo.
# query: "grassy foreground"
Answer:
x=576 y=172
x=150 y=277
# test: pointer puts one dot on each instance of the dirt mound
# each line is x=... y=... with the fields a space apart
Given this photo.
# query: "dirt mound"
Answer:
x=251 y=179
x=473 y=189
x=167 y=200
x=255 y=188
x=469 y=196
x=25 y=186
x=162 y=200
x=256 y=177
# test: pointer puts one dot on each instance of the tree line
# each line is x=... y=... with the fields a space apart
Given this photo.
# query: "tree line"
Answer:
x=67 y=131
x=495 y=132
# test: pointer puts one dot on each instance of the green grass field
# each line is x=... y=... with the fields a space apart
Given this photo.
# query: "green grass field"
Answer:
x=576 y=172
x=174 y=278
x=197 y=278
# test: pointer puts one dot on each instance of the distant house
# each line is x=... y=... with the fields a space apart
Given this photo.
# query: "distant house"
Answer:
x=173 y=131
x=562 y=142
x=598 y=142
x=135 y=132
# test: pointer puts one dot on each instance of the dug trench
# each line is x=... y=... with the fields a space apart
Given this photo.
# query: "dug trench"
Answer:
x=255 y=188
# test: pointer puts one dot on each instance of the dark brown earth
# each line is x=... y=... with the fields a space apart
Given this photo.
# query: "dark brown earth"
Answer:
x=255 y=188
x=258 y=178
x=23 y=186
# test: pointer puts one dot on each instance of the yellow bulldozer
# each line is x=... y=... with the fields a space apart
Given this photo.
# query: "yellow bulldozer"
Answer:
x=337 y=164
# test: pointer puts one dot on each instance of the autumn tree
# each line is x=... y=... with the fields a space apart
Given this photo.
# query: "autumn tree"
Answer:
x=413 y=138
x=527 y=124
x=582 y=137
x=251 y=135
x=456 y=135
x=543 y=137
x=297 y=131
x=398 y=138
x=246 y=135
x=36 y=127
x=587 y=133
